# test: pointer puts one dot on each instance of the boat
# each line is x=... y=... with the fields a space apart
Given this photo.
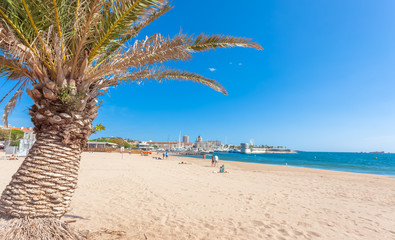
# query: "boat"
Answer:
x=207 y=151
x=221 y=150
x=234 y=151
x=245 y=149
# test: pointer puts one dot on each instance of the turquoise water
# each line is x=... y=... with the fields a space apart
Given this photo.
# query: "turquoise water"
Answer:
x=337 y=161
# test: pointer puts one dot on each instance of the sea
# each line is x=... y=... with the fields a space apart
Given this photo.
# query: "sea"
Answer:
x=370 y=163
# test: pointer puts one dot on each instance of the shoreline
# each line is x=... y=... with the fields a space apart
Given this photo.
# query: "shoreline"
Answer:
x=290 y=166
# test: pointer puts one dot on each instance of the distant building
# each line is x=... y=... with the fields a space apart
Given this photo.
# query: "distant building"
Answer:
x=199 y=139
x=102 y=145
x=29 y=138
x=171 y=145
x=206 y=145
x=185 y=139
x=145 y=146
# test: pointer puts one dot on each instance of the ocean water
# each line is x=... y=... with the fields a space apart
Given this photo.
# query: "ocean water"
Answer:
x=372 y=163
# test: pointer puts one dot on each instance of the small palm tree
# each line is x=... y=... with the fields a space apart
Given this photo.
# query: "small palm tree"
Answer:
x=64 y=54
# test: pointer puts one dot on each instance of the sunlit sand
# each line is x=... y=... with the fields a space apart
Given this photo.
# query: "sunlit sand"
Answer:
x=138 y=197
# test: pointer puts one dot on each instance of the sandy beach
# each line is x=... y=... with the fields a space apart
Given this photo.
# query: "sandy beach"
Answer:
x=137 y=197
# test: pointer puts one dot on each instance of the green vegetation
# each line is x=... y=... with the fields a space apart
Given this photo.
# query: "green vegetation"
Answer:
x=116 y=140
x=99 y=127
x=15 y=143
x=69 y=96
x=16 y=135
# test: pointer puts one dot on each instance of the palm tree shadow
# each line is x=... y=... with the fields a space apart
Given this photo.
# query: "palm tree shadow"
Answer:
x=74 y=216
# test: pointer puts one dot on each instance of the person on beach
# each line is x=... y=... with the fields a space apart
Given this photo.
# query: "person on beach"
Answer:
x=216 y=161
x=167 y=155
x=163 y=155
x=212 y=161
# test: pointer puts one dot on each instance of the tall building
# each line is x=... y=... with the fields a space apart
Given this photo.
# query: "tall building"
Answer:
x=185 y=139
x=199 y=139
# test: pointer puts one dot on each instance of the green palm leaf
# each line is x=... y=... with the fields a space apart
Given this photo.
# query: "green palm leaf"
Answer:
x=151 y=16
x=118 y=16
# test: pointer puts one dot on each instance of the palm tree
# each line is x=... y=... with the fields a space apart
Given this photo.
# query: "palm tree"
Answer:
x=64 y=54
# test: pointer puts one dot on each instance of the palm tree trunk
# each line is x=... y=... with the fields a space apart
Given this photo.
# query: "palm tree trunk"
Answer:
x=40 y=192
x=45 y=182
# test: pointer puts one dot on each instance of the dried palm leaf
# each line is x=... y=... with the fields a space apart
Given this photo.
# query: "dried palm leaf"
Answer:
x=9 y=107
x=203 y=42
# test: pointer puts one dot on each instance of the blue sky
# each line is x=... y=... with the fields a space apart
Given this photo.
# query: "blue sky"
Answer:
x=325 y=81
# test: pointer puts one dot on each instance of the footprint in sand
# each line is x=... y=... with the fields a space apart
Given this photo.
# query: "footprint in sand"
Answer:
x=164 y=219
x=283 y=232
x=257 y=223
x=297 y=233
x=304 y=224
x=314 y=234
x=209 y=226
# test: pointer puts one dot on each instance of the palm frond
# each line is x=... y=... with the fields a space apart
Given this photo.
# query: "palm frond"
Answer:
x=117 y=17
x=37 y=32
x=163 y=74
x=204 y=42
x=9 y=107
x=16 y=57
x=183 y=75
x=124 y=79
x=150 y=51
x=76 y=15
x=16 y=29
x=58 y=27
x=13 y=70
x=91 y=9
x=116 y=44
x=8 y=93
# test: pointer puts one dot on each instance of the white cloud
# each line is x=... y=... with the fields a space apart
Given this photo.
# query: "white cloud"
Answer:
x=212 y=69
x=230 y=63
x=240 y=64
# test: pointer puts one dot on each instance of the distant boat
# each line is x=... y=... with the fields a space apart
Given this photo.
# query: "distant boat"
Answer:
x=221 y=150
x=245 y=149
x=234 y=151
x=378 y=152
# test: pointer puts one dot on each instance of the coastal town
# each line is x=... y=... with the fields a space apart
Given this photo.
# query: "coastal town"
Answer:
x=18 y=141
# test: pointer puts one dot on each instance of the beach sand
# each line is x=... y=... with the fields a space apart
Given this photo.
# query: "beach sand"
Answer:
x=138 y=197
